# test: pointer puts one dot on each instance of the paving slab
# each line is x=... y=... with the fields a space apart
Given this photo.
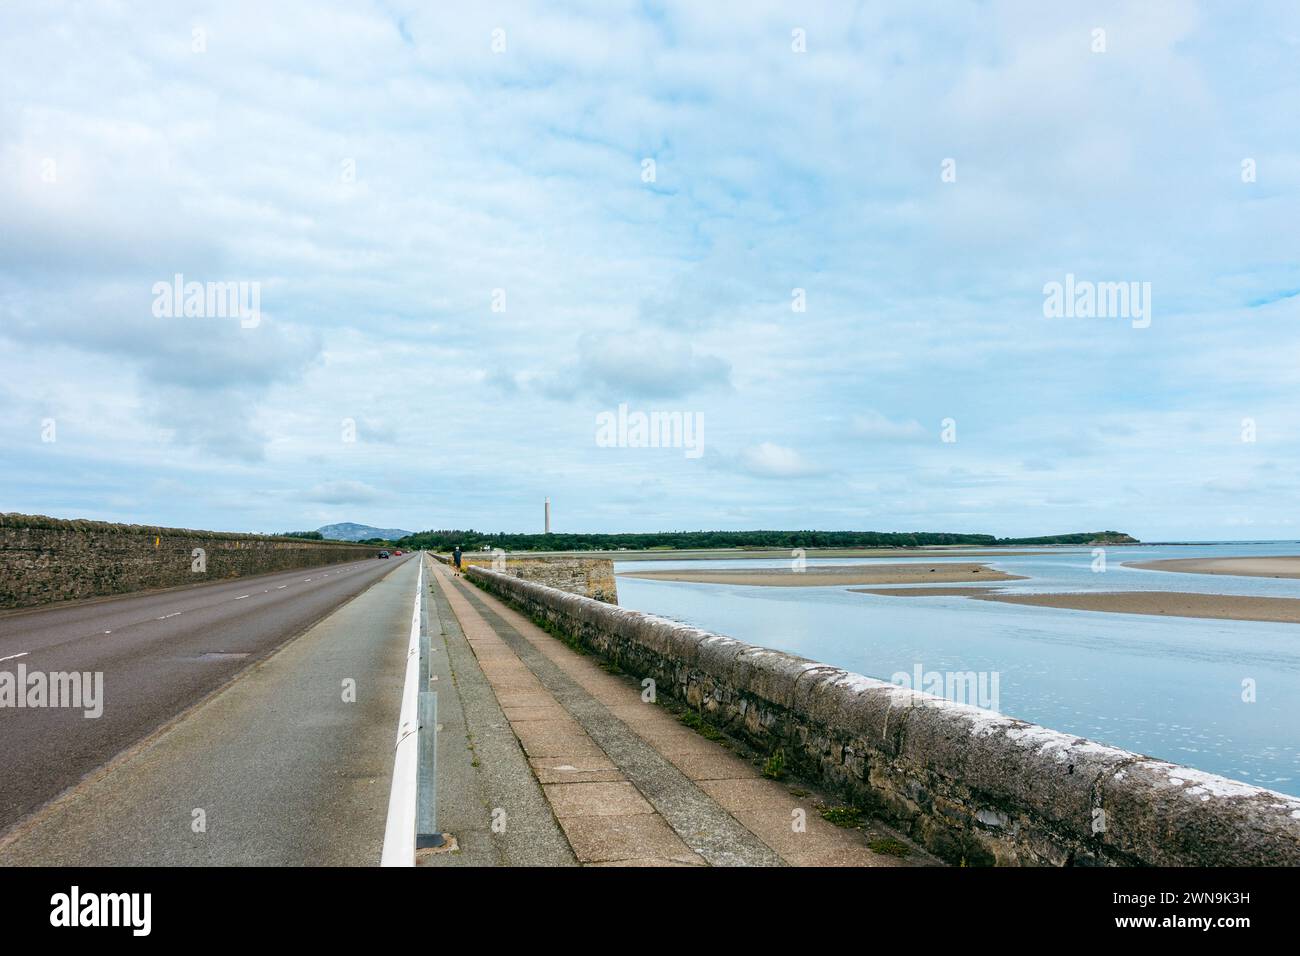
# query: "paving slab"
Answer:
x=535 y=712
x=780 y=829
x=634 y=837
x=708 y=829
x=752 y=794
x=637 y=787
x=575 y=769
x=596 y=799
x=554 y=738
x=488 y=795
x=712 y=766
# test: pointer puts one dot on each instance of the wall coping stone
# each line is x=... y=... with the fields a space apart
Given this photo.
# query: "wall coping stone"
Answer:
x=967 y=782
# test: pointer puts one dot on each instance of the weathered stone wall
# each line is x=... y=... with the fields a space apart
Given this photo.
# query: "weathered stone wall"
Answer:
x=43 y=560
x=590 y=577
x=972 y=786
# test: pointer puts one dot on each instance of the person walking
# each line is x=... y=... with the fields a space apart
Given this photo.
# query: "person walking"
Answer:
x=455 y=558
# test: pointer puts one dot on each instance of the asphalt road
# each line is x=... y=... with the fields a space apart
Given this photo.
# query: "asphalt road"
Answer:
x=159 y=654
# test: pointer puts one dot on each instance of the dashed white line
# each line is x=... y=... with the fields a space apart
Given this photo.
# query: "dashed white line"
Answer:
x=14 y=657
x=282 y=587
x=241 y=597
x=165 y=616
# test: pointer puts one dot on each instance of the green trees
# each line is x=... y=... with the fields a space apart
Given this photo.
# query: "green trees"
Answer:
x=471 y=540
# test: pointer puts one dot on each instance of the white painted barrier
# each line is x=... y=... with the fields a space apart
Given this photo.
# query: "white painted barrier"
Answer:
x=399 y=833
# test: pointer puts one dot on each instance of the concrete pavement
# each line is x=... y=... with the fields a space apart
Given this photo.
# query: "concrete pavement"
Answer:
x=626 y=782
x=488 y=798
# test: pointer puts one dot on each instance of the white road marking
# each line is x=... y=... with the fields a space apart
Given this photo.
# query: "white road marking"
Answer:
x=282 y=587
x=165 y=616
x=241 y=597
x=14 y=657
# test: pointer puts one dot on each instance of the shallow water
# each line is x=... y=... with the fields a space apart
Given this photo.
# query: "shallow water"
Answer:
x=1168 y=687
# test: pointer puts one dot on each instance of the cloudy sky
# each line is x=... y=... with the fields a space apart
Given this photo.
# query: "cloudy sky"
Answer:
x=476 y=227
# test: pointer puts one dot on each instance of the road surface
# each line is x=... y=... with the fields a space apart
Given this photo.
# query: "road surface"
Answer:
x=164 y=652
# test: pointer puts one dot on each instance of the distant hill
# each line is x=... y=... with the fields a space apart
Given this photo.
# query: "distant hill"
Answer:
x=1086 y=537
x=349 y=531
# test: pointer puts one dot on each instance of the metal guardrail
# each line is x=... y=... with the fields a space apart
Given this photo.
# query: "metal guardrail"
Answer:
x=412 y=805
x=427 y=834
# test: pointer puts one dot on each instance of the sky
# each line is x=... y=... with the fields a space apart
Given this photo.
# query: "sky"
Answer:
x=820 y=233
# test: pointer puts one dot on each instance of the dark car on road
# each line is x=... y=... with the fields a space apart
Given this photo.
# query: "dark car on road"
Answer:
x=382 y=554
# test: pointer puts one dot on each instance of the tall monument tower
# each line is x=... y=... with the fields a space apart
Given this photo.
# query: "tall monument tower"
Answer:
x=548 y=515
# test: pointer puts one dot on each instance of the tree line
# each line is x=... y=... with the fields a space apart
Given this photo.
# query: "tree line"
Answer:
x=470 y=540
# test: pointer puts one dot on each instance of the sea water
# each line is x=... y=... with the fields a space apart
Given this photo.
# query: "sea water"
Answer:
x=1221 y=696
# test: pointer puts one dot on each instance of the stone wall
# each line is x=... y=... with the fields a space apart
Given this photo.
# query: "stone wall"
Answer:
x=972 y=786
x=43 y=560
x=590 y=577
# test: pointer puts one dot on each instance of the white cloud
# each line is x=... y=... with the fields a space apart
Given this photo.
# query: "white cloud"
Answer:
x=875 y=426
x=768 y=460
x=344 y=493
x=522 y=171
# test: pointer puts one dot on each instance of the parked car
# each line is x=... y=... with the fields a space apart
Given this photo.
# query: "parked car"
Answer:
x=382 y=554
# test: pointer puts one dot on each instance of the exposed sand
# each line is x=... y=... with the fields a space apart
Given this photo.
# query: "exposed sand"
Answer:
x=1230 y=607
x=831 y=575
x=744 y=554
x=970 y=591
x=1281 y=566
